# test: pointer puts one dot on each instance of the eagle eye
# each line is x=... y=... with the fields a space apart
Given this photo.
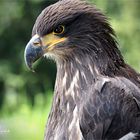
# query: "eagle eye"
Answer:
x=59 y=30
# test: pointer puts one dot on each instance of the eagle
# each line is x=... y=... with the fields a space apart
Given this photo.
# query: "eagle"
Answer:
x=97 y=94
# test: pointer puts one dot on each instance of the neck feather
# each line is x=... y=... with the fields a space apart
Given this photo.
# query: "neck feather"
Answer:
x=76 y=70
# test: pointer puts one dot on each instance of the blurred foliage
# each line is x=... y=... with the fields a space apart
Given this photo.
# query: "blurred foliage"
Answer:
x=25 y=97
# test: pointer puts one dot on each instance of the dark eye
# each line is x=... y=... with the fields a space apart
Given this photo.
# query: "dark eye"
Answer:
x=59 y=29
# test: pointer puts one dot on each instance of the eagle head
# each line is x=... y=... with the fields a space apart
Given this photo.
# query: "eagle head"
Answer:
x=70 y=28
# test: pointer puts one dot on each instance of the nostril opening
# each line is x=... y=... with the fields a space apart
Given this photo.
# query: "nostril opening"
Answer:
x=37 y=42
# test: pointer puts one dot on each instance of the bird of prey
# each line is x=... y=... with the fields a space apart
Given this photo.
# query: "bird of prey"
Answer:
x=97 y=95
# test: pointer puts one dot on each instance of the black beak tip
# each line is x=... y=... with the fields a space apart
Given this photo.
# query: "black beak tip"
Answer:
x=31 y=55
x=28 y=61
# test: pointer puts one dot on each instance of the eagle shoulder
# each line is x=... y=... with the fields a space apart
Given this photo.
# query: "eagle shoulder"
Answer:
x=109 y=109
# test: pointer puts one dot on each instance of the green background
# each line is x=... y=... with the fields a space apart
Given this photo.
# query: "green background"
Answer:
x=25 y=97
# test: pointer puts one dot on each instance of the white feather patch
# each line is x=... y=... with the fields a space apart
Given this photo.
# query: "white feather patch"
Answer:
x=75 y=124
x=129 y=136
x=73 y=83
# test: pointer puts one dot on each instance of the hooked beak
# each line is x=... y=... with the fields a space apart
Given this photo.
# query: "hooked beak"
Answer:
x=38 y=46
x=33 y=51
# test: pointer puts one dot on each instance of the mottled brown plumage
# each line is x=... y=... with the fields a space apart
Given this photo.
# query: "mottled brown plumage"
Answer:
x=97 y=95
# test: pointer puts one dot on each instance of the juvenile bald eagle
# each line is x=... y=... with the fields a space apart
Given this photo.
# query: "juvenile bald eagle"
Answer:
x=97 y=95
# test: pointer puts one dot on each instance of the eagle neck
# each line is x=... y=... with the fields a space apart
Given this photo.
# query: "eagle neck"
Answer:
x=74 y=76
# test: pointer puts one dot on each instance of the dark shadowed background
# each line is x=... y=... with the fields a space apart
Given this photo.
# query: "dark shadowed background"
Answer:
x=25 y=97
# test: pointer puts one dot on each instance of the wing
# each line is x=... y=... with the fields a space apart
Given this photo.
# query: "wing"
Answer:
x=111 y=110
